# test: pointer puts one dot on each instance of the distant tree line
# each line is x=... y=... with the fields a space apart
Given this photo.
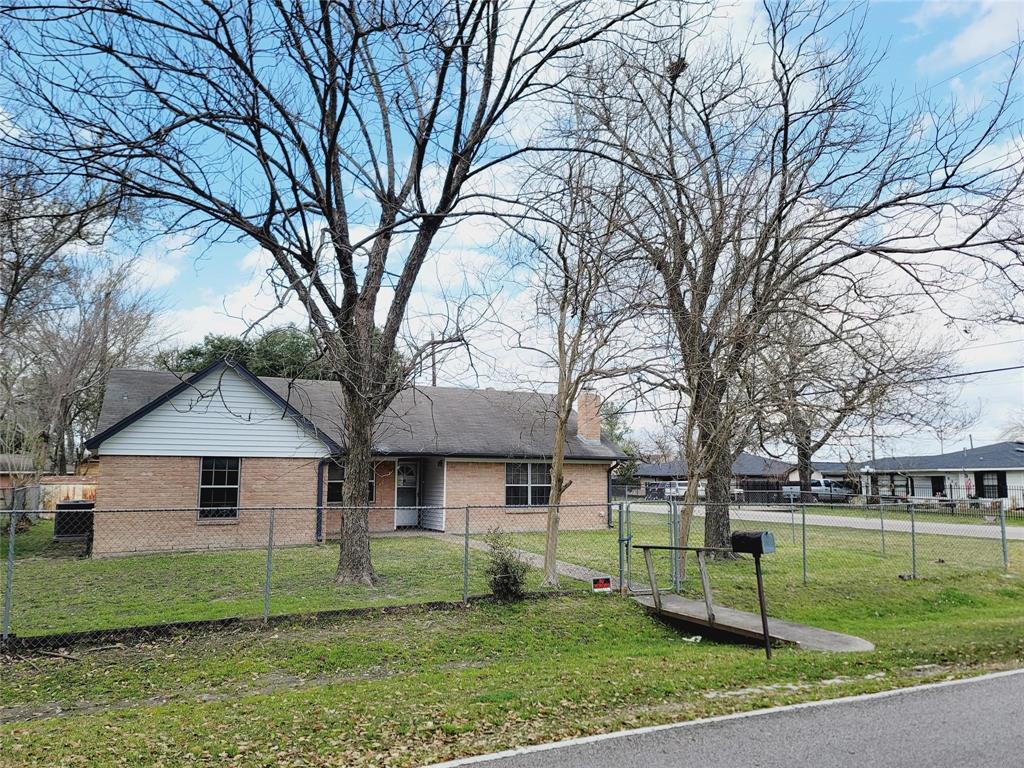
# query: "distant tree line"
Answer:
x=288 y=351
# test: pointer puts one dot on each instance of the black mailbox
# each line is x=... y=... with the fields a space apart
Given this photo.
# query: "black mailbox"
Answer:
x=753 y=542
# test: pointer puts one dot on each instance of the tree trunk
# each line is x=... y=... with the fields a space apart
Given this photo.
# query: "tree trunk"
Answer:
x=60 y=442
x=557 y=486
x=354 y=565
x=719 y=480
x=713 y=447
x=803 y=460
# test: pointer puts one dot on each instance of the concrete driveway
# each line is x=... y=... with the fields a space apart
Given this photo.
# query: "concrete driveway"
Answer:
x=975 y=722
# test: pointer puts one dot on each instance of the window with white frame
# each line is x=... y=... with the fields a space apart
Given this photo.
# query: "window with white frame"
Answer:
x=527 y=483
x=989 y=485
x=336 y=484
x=218 y=488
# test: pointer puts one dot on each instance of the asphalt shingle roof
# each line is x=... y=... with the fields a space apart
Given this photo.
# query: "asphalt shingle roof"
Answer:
x=836 y=467
x=1007 y=455
x=745 y=465
x=443 y=421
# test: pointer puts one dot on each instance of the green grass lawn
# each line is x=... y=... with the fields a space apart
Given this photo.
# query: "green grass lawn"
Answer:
x=421 y=686
x=835 y=557
x=403 y=689
x=57 y=591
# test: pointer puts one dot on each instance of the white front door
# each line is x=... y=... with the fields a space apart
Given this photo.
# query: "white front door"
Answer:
x=407 y=494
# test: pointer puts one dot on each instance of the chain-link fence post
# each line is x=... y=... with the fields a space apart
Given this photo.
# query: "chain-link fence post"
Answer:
x=1002 y=534
x=676 y=564
x=803 y=536
x=629 y=545
x=465 y=558
x=881 y=523
x=9 y=578
x=792 y=520
x=913 y=542
x=270 y=566
x=622 y=549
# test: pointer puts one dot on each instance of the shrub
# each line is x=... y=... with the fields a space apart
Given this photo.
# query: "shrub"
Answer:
x=506 y=572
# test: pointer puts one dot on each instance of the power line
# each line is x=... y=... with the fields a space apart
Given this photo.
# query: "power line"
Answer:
x=965 y=70
x=986 y=346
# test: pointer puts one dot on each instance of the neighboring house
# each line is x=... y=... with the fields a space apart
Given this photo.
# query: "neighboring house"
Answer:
x=846 y=472
x=206 y=448
x=16 y=469
x=756 y=475
x=987 y=472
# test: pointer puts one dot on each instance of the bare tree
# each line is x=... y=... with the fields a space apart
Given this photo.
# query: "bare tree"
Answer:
x=585 y=303
x=1014 y=429
x=757 y=171
x=46 y=219
x=104 y=324
x=838 y=368
x=43 y=217
x=338 y=137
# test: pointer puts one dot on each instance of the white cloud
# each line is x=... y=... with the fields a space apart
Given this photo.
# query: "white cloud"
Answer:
x=994 y=26
x=161 y=263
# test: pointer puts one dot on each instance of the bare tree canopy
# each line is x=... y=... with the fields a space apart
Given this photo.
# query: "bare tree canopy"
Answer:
x=339 y=137
x=758 y=168
x=44 y=218
x=587 y=302
x=56 y=294
x=838 y=367
x=53 y=370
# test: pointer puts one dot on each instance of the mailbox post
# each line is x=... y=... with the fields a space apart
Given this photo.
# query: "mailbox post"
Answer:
x=757 y=543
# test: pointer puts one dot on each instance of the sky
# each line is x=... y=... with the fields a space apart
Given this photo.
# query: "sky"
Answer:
x=944 y=47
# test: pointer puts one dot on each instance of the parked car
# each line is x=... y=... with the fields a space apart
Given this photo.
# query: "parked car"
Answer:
x=821 y=490
x=675 y=490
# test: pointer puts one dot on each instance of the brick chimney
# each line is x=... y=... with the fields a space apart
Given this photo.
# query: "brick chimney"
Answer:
x=588 y=416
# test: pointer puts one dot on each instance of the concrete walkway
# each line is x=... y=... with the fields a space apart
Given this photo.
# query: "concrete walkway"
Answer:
x=534 y=560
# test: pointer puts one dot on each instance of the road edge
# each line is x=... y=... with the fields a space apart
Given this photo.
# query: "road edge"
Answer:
x=555 y=745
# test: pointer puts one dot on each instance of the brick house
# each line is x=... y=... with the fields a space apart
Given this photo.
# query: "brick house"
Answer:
x=193 y=463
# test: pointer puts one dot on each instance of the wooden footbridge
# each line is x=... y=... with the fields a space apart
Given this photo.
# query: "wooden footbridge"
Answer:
x=732 y=623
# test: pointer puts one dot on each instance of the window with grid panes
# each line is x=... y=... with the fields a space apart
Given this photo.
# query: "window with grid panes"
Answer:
x=527 y=483
x=218 y=488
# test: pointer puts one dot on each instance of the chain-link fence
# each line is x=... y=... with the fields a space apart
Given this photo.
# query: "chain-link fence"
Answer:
x=828 y=546
x=87 y=574
x=83 y=574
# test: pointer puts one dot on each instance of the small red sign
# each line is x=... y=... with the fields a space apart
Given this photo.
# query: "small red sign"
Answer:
x=602 y=584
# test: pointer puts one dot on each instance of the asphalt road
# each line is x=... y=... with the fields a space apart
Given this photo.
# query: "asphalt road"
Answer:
x=975 y=723
x=959 y=530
